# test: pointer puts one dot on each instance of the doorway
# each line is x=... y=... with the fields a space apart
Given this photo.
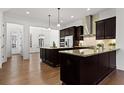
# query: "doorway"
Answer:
x=14 y=39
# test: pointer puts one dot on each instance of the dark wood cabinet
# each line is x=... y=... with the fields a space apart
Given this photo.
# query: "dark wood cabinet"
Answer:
x=67 y=31
x=86 y=70
x=112 y=60
x=76 y=32
x=106 y=29
x=79 y=33
x=71 y=30
x=69 y=68
x=110 y=28
x=89 y=70
x=62 y=33
x=100 y=30
x=103 y=66
x=50 y=56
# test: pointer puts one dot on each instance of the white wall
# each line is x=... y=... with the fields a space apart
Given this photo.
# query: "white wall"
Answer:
x=120 y=37
x=54 y=36
x=49 y=37
x=2 y=41
x=107 y=13
x=35 y=32
x=75 y=23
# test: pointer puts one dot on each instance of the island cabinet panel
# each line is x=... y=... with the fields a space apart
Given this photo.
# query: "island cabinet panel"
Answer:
x=103 y=65
x=89 y=70
x=43 y=54
x=51 y=57
x=112 y=60
x=86 y=70
x=69 y=70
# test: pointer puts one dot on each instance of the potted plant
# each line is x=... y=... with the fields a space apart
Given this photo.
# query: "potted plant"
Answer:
x=112 y=45
x=100 y=46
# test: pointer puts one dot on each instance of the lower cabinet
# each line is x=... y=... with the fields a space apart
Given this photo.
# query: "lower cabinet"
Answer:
x=86 y=70
x=69 y=70
x=50 y=57
x=112 y=60
x=89 y=70
x=103 y=64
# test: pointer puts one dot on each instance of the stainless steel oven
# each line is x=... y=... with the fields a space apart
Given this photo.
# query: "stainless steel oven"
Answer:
x=62 y=42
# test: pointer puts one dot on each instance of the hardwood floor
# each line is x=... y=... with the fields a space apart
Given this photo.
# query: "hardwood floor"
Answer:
x=115 y=78
x=19 y=72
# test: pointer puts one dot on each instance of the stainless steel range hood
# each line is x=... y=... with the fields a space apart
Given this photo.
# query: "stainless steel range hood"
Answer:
x=88 y=26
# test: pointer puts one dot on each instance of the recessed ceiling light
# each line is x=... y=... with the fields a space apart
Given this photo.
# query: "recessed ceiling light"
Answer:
x=27 y=12
x=72 y=16
x=88 y=9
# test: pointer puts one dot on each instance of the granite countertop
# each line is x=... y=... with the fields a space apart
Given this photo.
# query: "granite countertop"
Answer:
x=86 y=52
x=65 y=47
x=54 y=48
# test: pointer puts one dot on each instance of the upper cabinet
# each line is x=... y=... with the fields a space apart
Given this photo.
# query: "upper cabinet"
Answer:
x=67 y=31
x=106 y=29
x=75 y=31
x=110 y=28
x=100 y=29
x=62 y=33
x=79 y=32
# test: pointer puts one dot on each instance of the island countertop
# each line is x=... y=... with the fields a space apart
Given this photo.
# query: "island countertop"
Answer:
x=86 y=52
x=77 y=47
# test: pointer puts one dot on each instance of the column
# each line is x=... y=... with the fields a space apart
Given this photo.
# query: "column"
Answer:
x=26 y=43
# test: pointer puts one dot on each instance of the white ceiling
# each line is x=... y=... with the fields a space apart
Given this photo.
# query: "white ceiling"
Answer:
x=4 y=9
x=41 y=14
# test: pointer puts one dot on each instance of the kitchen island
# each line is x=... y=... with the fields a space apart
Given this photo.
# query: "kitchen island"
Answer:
x=86 y=66
x=50 y=56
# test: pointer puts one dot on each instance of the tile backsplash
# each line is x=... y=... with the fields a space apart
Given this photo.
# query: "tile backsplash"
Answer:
x=91 y=41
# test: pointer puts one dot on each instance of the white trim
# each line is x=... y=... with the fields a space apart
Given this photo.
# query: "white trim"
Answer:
x=1 y=65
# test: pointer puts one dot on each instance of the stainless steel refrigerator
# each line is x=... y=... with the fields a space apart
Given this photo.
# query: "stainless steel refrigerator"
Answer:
x=69 y=41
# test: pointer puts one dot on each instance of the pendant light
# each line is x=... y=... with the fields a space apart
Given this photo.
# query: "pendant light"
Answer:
x=49 y=22
x=58 y=25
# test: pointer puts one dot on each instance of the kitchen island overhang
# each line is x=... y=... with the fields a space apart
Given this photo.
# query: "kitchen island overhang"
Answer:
x=86 y=66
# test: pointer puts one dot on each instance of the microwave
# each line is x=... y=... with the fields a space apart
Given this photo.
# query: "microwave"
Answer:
x=62 y=39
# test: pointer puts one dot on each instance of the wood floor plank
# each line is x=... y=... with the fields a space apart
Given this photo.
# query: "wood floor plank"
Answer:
x=16 y=71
